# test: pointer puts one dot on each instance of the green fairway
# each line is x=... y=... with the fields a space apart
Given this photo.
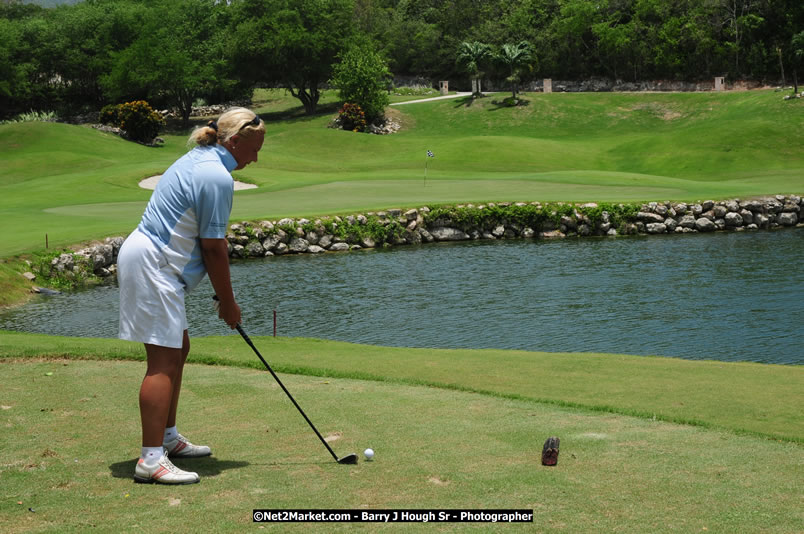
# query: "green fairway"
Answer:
x=74 y=183
x=435 y=447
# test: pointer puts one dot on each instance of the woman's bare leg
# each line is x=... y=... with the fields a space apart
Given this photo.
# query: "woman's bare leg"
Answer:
x=174 y=403
x=159 y=393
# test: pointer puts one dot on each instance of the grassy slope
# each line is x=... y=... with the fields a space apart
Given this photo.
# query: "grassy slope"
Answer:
x=14 y=289
x=75 y=183
x=742 y=397
x=55 y=165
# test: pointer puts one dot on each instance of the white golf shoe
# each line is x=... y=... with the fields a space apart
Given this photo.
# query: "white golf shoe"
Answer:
x=179 y=447
x=164 y=472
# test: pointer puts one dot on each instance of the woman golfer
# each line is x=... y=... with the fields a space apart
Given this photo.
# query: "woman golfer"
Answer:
x=182 y=237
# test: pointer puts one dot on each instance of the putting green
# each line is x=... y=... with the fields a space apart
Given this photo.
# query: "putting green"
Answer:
x=341 y=196
x=338 y=197
x=363 y=194
x=103 y=209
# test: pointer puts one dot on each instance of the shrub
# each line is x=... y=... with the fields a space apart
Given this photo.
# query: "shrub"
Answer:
x=533 y=216
x=140 y=121
x=415 y=90
x=33 y=116
x=79 y=276
x=110 y=114
x=362 y=77
x=352 y=117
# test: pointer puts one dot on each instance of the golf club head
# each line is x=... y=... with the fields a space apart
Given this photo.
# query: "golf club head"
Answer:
x=348 y=459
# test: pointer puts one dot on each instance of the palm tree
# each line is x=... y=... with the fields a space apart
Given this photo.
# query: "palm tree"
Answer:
x=472 y=55
x=515 y=57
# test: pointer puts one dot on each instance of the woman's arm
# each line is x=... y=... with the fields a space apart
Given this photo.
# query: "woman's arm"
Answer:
x=215 y=253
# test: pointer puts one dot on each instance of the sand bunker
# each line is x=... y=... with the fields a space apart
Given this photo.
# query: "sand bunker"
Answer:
x=150 y=183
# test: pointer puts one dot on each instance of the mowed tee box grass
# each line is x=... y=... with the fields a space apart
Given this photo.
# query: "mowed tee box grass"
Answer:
x=438 y=446
x=74 y=183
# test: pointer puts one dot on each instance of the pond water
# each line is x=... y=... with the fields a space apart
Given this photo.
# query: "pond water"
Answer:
x=723 y=296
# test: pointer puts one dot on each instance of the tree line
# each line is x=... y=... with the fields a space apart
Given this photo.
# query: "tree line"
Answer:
x=174 y=52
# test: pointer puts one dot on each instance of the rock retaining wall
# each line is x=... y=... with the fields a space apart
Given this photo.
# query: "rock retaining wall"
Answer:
x=395 y=227
x=595 y=85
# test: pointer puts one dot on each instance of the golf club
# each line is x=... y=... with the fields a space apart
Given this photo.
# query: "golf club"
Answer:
x=349 y=458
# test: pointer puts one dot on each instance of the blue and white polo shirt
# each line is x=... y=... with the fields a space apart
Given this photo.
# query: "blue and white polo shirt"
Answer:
x=192 y=200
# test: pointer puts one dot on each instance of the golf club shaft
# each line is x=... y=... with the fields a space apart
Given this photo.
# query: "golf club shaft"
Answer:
x=317 y=433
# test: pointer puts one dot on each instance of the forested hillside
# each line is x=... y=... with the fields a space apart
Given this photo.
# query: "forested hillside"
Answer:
x=174 y=51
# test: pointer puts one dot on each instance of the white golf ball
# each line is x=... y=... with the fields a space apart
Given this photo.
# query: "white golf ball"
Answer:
x=369 y=454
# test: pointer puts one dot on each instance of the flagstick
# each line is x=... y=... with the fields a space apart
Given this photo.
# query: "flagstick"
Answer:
x=425 y=171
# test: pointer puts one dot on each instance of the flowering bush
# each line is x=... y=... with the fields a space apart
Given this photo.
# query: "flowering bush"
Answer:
x=110 y=115
x=140 y=122
x=352 y=117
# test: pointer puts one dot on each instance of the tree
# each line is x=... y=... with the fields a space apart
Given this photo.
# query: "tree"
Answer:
x=176 y=58
x=472 y=56
x=797 y=44
x=16 y=10
x=11 y=76
x=29 y=80
x=615 y=42
x=413 y=38
x=362 y=77
x=516 y=58
x=740 y=19
x=573 y=39
x=292 y=42
x=90 y=34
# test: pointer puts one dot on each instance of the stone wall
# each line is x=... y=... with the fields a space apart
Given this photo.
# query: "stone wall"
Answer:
x=548 y=221
x=596 y=85
x=99 y=259
x=395 y=227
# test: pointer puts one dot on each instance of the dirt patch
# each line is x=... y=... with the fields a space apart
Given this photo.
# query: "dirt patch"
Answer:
x=593 y=435
x=658 y=110
x=406 y=122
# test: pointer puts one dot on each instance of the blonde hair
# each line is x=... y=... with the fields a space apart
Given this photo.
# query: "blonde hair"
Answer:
x=234 y=121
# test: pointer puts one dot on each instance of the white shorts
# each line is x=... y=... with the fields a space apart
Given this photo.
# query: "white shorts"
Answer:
x=151 y=294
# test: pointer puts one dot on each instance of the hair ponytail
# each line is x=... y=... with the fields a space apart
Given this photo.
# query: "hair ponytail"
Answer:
x=205 y=135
